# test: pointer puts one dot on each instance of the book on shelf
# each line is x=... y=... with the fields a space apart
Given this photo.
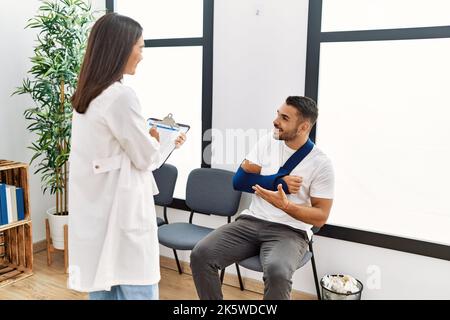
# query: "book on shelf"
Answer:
x=20 y=204
x=3 y=205
x=14 y=203
x=11 y=204
x=9 y=207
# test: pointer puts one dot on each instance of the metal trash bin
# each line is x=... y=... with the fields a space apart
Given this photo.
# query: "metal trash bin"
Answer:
x=328 y=294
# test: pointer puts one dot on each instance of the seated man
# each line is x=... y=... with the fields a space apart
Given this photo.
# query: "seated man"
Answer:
x=292 y=181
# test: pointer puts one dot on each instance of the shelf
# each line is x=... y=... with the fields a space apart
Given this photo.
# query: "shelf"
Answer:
x=8 y=165
x=10 y=273
x=16 y=261
x=14 y=224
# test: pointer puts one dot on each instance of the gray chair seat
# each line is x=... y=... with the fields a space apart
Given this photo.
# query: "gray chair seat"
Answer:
x=181 y=236
x=160 y=221
x=253 y=263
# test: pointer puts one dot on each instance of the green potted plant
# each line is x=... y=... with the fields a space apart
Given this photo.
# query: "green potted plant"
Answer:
x=63 y=27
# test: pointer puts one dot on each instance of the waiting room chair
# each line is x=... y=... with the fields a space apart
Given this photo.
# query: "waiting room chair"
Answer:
x=208 y=191
x=166 y=178
x=254 y=263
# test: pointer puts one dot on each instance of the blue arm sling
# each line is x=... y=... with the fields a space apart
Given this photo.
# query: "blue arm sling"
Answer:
x=244 y=181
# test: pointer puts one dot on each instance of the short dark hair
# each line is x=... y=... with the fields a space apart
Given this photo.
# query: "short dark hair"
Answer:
x=306 y=107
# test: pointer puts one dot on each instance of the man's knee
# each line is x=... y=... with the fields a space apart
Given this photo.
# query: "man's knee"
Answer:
x=278 y=271
x=201 y=253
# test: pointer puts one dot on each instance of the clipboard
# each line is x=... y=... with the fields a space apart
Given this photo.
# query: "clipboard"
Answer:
x=168 y=130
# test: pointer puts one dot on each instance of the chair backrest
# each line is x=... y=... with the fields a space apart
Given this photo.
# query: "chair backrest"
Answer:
x=210 y=191
x=315 y=229
x=165 y=178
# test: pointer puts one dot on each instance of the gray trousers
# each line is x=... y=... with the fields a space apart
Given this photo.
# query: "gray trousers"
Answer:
x=280 y=248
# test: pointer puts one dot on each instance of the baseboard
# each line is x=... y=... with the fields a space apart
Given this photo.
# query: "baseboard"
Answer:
x=39 y=246
x=232 y=280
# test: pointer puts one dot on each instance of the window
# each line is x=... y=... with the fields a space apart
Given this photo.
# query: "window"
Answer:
x=350 y=15
x=165 y=19
x=176 y=73
x=382 y=89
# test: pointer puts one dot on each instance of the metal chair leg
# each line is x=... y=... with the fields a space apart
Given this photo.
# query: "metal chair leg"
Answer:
x=180 y=271
x=165 y=215
x=241 y=283
x=313 y=263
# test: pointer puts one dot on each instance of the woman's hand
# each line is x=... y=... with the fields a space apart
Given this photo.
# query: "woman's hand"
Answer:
x=180 y=140
x=154 y=133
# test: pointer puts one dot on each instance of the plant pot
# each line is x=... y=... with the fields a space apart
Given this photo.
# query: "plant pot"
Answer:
x=57 y=223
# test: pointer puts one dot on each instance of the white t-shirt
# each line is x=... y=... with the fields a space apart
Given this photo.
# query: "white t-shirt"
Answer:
x=315 y=169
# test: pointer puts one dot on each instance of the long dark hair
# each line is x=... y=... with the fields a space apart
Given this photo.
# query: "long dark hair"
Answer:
x=109 y=46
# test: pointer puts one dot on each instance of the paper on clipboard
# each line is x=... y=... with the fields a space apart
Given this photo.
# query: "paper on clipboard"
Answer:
x=169 y=131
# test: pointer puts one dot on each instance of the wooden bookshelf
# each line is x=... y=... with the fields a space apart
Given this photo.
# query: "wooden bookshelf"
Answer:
x=16 y=247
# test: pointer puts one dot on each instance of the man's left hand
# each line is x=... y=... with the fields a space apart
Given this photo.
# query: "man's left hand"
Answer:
x=276 y=198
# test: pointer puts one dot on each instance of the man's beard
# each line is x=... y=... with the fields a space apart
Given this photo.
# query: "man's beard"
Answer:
x=284 y=135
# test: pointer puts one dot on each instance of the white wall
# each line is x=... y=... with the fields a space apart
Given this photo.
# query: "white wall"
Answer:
x=14 y=62
x=17 y=47
x=258 y=61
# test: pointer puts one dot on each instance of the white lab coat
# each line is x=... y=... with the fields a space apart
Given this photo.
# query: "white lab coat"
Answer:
x=113 y=236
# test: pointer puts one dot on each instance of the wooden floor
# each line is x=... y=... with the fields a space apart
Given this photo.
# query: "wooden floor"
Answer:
x=50 y=283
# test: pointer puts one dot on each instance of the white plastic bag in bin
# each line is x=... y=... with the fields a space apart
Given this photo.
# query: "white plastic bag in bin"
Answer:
x=341 y=287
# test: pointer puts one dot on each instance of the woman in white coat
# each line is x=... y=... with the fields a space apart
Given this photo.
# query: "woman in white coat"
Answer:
x=113 y=243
